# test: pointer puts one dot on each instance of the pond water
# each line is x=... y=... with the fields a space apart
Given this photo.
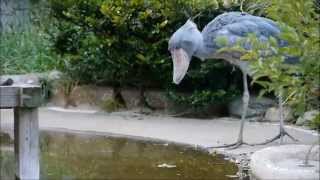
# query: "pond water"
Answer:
x=74 y=156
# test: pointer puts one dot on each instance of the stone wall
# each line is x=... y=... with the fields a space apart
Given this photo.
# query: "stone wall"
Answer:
x=90 y=96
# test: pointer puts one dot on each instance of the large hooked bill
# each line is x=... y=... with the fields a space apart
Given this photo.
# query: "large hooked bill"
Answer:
x=181 y=61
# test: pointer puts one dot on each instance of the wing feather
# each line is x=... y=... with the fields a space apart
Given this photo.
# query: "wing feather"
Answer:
x=236 y=25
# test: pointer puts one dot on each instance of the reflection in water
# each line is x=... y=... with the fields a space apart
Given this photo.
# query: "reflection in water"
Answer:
x=74 y=156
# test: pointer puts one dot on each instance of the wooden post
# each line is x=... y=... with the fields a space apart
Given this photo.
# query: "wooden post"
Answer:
x=25 y=101
x=26 y=143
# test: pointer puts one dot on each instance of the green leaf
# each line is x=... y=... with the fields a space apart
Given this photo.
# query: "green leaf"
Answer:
x=222 y=41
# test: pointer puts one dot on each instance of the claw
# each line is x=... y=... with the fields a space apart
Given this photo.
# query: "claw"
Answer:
x=279 y=136
x=231 y=146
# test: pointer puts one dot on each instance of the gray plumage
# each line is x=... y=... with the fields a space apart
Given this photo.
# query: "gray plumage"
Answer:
x=236 y=25
x=188 y=41
x=233 y=26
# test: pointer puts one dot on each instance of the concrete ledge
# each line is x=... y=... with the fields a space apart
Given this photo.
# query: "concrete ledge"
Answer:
x=284 y=162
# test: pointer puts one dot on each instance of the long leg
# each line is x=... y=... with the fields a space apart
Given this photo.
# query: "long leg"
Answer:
x=245 y=101
x=282 y=131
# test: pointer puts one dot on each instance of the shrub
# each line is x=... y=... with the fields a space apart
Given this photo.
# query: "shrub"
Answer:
x=315 y=123
x=298 y=83
x=26 y=52
x=203 y=98
x=210 y=82
x=124 y=43
x=118 y=42
x=111 y=105
x=30 y=50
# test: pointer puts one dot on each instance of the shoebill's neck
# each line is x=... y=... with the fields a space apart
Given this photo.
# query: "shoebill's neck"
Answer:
x=202 y=52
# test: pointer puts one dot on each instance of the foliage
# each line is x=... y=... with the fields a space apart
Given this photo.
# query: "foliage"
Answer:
x=212 y=82
x=118 y=42
x=111 y=105
x=124 y=43
x=25 y=52
x=203 y=98
x=298 y=83
x=28 y=51
x=315 y=123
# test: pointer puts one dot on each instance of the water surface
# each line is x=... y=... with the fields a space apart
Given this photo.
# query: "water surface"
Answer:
x=84 y=156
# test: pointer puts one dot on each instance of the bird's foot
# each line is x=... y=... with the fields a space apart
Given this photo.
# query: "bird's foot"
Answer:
x=231 y=146
x=279 y=136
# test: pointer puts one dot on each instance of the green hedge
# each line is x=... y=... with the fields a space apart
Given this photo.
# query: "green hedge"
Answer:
x=124 y=43
x=299 y=84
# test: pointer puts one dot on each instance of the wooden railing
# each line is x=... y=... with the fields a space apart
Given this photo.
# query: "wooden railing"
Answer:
x=25 y=100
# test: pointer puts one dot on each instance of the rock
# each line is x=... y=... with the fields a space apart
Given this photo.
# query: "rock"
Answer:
x=156 y=99
x=273 y=114
x=131 y=97
x=307 y=118
x=83 y=96
x=285 y=162
x=54 y=75
x=257 y=106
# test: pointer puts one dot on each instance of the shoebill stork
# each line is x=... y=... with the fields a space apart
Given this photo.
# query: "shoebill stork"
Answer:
x=188 y=41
